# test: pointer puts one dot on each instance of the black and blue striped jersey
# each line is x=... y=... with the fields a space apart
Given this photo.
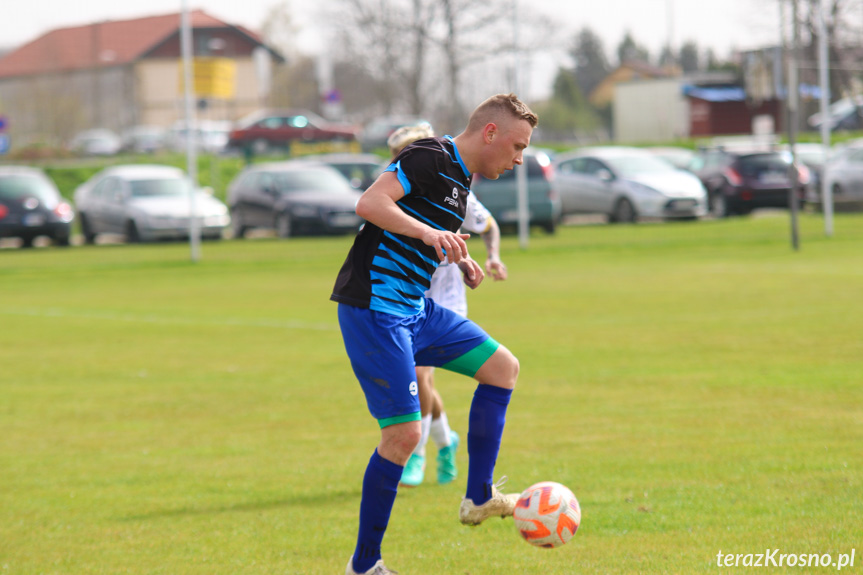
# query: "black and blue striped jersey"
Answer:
x=388 y=272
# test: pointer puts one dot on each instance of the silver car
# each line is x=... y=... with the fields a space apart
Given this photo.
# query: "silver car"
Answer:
x=626 y=184
x=843 y=174
x=146 y=203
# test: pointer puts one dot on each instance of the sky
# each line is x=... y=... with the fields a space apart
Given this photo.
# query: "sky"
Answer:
x=721 y=25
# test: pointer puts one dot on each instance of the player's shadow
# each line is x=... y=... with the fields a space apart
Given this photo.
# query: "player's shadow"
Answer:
x=308 y=499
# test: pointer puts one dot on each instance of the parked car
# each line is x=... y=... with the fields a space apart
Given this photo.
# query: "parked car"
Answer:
x=210 y=136
x=146 y=203
x=361 y=170
x=626 y=184
x=813 y=156
x=144 y=139
x=843 y=114
x=31 y=206
x=262 y=131
x=500 y=196
x=375 y=134
x=843 y=173
x=740 y=181
x=293 y=197
x=680 y=158
x=96 y=143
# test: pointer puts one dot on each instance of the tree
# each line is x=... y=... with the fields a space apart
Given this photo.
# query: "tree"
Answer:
x=689 y=57
x=417 y=51
x=591 y=64
x=844 y=52
x=628 y=49
x=667 y=58
x=567 y=113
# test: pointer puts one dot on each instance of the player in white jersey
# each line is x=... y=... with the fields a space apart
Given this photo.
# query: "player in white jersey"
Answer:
x=448 y=289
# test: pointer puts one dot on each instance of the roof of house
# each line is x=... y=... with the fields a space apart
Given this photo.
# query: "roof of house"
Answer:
x=108 y=43
x=629 y=70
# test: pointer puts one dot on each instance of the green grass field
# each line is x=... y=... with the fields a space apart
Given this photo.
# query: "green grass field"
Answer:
x=698 y=386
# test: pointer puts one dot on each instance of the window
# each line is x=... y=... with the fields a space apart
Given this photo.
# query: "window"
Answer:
x=273 y=123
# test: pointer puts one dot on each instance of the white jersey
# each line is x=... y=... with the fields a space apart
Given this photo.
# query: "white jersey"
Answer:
x=447 y=286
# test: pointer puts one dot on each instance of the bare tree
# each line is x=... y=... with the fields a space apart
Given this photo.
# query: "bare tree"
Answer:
x=418 y=51
x=844 y=43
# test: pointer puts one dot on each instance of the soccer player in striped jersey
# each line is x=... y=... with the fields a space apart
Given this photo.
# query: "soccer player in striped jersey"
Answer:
x=413 y=213
x=448 y=290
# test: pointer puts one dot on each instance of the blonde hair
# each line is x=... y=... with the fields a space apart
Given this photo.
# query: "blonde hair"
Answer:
x=405 y=135
x=501 y=106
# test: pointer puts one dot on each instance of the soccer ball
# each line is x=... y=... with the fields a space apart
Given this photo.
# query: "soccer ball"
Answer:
x=547 y=514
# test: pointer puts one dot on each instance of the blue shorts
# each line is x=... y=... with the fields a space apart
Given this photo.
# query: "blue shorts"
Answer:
x=385 y=349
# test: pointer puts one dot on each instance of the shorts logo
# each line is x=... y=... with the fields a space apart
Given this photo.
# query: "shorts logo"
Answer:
x=453 y=201
x=413 y=388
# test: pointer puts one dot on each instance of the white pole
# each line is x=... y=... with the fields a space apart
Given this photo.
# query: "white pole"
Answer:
x=823 y=74
x=522 y=204
x=191 y=131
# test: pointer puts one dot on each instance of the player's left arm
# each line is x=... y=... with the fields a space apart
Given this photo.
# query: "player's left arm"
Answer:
x=479 y=220
x=493 y=264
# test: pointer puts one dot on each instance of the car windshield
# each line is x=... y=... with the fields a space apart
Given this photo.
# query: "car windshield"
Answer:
x=19 y=186
x=756 y=164
x=312 y=181
x=159 y=187
x=634 y=165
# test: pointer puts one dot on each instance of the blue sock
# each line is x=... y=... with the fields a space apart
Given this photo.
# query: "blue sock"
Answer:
x=380 y=484
x=487 y=418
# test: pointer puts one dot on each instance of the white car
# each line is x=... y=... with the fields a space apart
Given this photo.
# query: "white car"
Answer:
x=626 y=184
x=96 y=143
x=211 y=136
x=843 y=175
x=146 y=203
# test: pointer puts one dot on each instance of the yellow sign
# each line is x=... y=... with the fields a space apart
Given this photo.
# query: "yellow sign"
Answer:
x=213 y=77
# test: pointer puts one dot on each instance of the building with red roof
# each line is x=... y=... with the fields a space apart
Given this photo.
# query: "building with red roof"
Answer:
x=120 y=74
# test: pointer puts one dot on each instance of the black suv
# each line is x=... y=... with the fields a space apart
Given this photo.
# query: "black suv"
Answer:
x=738 y=182
x=31 y=206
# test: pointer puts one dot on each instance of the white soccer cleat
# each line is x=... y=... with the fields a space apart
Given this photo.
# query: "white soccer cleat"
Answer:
x=377 y=569
x=500 y=505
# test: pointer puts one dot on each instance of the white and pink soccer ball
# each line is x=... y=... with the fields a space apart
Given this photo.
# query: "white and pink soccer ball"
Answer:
x=547 y=514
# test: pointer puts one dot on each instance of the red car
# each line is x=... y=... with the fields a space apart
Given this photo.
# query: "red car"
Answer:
x=270 y=129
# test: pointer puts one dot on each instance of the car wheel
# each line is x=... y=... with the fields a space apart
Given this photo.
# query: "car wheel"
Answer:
x=237 y=224
x=284 y=225
x=27 y=241
x=62 y=241
x=624 y=212
x=132 y=234
x=87 y=230
x=549 y=227
x=719 y=205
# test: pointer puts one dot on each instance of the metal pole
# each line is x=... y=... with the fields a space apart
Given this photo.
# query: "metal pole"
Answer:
x=824 y=80
x=191 y=131
x=793 y=119
x=520 y=171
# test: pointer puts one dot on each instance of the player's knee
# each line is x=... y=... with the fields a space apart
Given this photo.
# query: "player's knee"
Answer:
x=513 y=369
x=399 y=441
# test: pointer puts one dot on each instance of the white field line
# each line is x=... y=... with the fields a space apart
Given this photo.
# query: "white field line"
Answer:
x=59 y=313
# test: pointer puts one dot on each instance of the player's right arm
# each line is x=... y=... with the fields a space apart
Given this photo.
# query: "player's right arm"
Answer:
x=378 y=206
